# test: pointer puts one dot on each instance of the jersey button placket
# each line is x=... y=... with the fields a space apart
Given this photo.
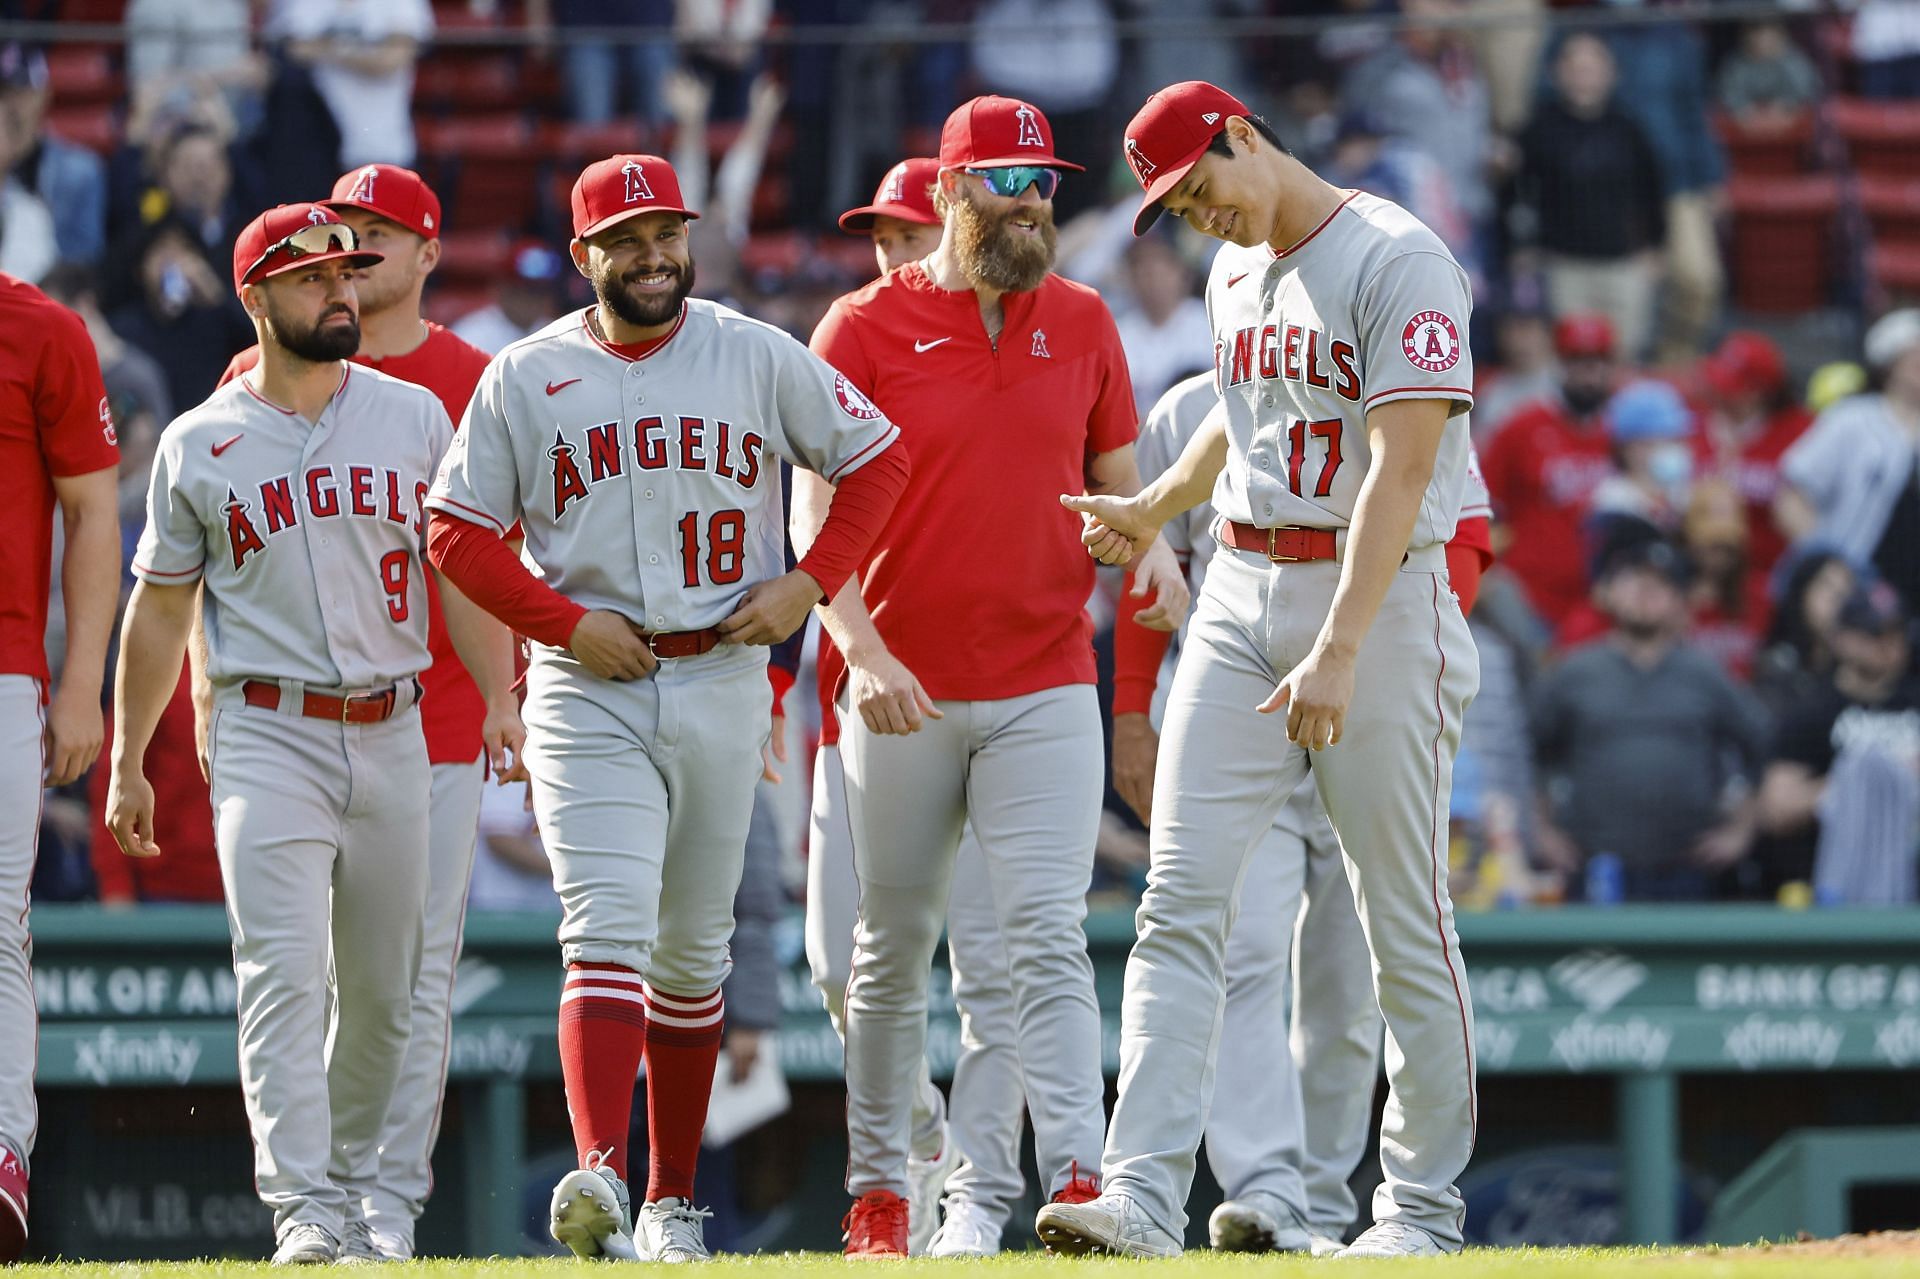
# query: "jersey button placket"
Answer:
x=326 y=570
x=650 y=525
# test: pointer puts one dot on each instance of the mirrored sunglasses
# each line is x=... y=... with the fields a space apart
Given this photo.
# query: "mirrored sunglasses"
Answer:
x=318 y=237
x=1010 y=180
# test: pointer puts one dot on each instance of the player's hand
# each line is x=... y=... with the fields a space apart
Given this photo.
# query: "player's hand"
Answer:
x=772 y=610
x=505 y=738
x=742 y=1047
x=888 y=697
x=1113 y=529
x=1135 y=747
x=1316 y=694
x=72 y=737
x=130 y=814
x=775 y=751
x=610 y=646
x=1157 y=573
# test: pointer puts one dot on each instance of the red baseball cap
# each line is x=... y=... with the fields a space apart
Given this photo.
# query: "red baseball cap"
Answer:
x=624 y=186
x=399 y=195
x=1747 y=363
x=905 y=193
x=1168 y=135
x=990 y=131
x=1584 y=335
x=272 y=243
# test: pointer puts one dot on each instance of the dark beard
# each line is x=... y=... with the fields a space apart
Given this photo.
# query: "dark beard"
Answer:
x=644 y=312
x=990 y=254
x=1583 y=401
x=317 y=345
x=1638 y=631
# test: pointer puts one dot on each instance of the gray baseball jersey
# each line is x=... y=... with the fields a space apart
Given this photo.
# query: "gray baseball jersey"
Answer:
x=646 y=486
x=1368 y=309
x=308 y=535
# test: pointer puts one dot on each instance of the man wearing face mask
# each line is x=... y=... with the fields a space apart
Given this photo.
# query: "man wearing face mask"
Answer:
x=1544 y=465
x=1649 y=426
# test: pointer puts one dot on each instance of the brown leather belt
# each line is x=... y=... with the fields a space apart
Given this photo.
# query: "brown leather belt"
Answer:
x=370 y=708
x=1282 y=545
x=681 y=643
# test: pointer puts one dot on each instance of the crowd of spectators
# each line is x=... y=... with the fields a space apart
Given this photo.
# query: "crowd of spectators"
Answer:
x=1697 y=674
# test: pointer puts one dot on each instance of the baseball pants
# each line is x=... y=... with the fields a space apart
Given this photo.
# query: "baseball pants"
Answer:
x=322 y=833
x=987 y=1113
x=22 y=763
x=1027 y=772
x=644 y=790
x=413 y=1121
x=1225 y=771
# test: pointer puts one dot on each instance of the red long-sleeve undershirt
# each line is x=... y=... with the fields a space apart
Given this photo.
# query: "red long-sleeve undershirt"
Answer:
x=485 y=568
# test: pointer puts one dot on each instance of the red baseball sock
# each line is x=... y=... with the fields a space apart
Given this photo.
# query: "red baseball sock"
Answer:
x=603 y=1031
x=683 y=1046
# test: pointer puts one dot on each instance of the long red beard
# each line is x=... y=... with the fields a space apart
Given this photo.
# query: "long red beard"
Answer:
x=990 y=253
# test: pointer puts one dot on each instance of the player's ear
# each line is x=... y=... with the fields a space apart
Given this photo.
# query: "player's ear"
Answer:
x=1241 y=134
x=250 y=299
x=429 y=255
x=577 y=249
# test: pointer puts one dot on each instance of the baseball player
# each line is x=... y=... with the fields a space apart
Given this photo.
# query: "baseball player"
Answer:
x=1340 y=452
x=1282 y=1141
x=395 y=213
x=969 y=689
x=971 y=1149
x=636 y=442
x=57 y=446
x=291 y=502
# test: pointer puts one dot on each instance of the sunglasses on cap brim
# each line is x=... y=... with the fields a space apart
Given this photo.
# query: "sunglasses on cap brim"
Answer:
x=1010 y=180
x=315 y=238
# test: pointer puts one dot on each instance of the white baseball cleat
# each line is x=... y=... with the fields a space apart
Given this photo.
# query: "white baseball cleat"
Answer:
x=926 y=1180
x=357 y=1246
x=1109 y=1224
x=1394 y=1239
x=1257 y=1222
x=591 y=1215
x=1325 y=1242
x=968 y=1231
x=671 y=1231
x=394 y=1244
x=305 y=1244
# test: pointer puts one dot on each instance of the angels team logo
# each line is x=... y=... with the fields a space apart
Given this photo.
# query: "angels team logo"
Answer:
x=637 y=188
x=318 y=216
x=1431 y=342
x=362 y=192
x=852 y=402
x=1029 y=128
x=1142 y=167
x=106 y=422
x=895 y=185
x=1040 y=351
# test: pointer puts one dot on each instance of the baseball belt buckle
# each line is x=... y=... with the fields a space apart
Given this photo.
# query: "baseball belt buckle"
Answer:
x=1273 y=554
x=653 y=645
x=350 y=703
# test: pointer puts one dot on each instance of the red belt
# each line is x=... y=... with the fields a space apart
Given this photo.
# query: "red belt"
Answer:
x=368 y=709
x=1282 y=545
x=681 y=643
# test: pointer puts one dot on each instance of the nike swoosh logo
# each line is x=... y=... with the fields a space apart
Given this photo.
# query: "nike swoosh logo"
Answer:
x=921 y=348
x=554 y=388
x=224 y=445
x=1235 y=279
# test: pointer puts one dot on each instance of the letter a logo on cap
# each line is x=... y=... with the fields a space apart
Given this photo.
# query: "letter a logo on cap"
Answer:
x=1138 y=159
x=1029 y=128
x=362 y=192
x=895 y=185
x=318 y=216
x=637 y=188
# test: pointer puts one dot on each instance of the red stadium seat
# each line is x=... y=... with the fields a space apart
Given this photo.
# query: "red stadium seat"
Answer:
x=1896 y=272
x=1892 y=207
x=1881 y=137
x=83 y=75
x=467 y=86
x=1755 y=151
x=486 y=167
x=1783 y=241
x=95 y=128
x=574 y=146
x=473 y=258
x=445 y=303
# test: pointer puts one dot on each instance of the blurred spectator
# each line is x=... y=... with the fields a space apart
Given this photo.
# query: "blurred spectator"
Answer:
x=1194 y=49
x=1767 y=80
x=594 y=68
x=1064 y=57
x=63 y=176
x=1343 y=46
x=1649 y=426
x=720 y=42
x=193 y=183
x=1365 y=157
x=1833 y=382
x=510 y=868
x=1798 y=656
x=190 y=43
x=1845 y=775
x=184 y=316
x=1163 y=324
x=1526 y=371
x=188 y=869
x=525 y=301
x=1544 y=465
x=1751 y=421
x=27 y=246
x=136 y=169
x=1507 y=39
x=1424 y=88
x=1664 y=86
x=1851 y=483
x=1729 y=603
x=1590 y=176
x=361 y=55
x=1886 y=43
x=1646 y=740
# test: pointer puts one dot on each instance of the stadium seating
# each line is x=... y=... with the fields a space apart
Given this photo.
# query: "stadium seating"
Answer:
x=1782 y=259
x=1881 y=137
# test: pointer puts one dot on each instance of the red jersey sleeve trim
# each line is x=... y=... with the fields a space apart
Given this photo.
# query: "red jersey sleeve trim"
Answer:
x=881 y=441
x=1461 y=393
x=463 y=512
x=195 y=571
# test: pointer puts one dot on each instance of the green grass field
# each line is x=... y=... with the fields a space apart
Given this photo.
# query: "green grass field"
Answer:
x=1817 y=1262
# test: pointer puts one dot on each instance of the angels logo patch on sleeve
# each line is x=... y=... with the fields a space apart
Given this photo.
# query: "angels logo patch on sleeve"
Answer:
x=852 y=402
x=1431 y=341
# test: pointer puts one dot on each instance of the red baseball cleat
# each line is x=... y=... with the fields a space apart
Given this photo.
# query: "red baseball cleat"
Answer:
x=876 y=1226
x=1078 y=1189
x=13 y=1207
